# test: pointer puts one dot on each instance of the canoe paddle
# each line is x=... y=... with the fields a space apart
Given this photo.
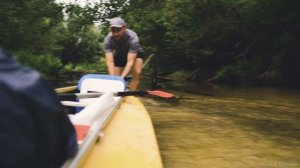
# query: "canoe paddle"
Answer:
x=158 y=93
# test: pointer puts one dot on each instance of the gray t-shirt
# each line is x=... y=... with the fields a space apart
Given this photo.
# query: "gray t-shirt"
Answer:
x=128 y=43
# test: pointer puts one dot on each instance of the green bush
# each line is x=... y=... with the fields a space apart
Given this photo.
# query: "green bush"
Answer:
x=230 y=74
x=70 y=70
x=95 y=67
x=46 y=64
x=180 y=75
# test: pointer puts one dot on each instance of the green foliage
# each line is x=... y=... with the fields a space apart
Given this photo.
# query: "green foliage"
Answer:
x=80 y=38
x=180 y=75
x=88 y=67
x=235 y=41
x=221 y=37
x=48 y=65
x=239 y=73
x=81 y=45
x=28 y=24
x=83 y=68
x=230 y=74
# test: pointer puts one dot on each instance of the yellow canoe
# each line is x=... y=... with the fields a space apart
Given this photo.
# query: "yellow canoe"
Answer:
x=127 y=136
x=129 y=140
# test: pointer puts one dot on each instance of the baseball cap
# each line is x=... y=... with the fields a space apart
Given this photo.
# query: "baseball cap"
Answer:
x=116 y=22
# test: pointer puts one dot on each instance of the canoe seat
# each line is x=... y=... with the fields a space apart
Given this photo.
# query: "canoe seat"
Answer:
x=101 y=83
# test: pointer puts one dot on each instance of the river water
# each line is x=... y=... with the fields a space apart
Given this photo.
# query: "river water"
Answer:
x=227 y=127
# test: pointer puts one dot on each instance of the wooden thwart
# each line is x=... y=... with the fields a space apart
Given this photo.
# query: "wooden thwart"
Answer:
x=66 y=89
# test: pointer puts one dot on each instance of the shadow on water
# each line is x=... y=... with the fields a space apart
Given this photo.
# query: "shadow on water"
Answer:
x=273 y=122
x=217 y=126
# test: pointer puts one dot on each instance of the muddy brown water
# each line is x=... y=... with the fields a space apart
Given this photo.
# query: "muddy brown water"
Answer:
x=227 y=127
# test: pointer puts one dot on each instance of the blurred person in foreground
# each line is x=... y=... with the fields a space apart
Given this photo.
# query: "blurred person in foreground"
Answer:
x=35 y=132
x=123 y=52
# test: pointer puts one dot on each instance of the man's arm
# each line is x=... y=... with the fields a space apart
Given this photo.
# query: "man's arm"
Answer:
x=130 y=61
x=109 y=59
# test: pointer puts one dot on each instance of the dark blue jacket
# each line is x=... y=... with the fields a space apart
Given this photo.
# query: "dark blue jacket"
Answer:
x=35 y=132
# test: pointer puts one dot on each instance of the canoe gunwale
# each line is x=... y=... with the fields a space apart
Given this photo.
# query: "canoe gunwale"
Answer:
x=92 y=136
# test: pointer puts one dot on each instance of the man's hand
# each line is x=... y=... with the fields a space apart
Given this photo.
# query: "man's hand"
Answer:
x=130 y=61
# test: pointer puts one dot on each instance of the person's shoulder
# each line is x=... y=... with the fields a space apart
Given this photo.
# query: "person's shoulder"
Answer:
x=132 y=36
x=16 y=75
x=131 y=32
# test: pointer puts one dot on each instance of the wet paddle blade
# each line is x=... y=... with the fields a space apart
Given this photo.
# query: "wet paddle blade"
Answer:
x=161 y=94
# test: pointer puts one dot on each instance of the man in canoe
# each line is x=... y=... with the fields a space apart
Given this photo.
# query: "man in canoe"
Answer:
x=35 y=131
x=123 y=52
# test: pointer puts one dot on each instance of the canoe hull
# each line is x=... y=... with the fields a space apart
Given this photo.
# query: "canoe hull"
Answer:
x=129 y=140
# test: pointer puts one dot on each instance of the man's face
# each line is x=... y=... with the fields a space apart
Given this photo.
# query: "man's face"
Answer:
x=117 y=32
